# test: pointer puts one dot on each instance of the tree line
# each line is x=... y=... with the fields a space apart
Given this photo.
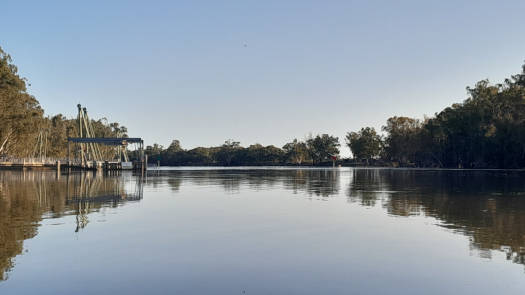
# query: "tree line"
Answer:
x=487 y=130
x=318 y=150
x=22 y=119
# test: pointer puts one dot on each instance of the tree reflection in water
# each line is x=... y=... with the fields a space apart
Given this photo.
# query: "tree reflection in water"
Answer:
x=486 y=206
x=28 y=197
x=313 y=182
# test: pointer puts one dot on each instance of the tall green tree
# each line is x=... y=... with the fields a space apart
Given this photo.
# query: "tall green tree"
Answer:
x=296 y=152
x=20 y=112
x=402 y=140
x=364 y=144
x=227 y=151
x=322 y=147
x=174 y=146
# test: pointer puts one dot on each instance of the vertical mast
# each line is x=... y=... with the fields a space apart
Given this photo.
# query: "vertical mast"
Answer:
x=80 y=134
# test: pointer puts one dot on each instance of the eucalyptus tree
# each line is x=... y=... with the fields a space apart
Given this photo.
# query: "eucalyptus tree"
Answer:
x=364 y=144
x=20 y=112
x=296 y=152
x=322 y=147
x=402 y=140
x=226 y=152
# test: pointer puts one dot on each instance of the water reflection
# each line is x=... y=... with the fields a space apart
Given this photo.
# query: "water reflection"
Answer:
x=486 y=206
x=28 y=197
x=191 y=238
x=312 y=182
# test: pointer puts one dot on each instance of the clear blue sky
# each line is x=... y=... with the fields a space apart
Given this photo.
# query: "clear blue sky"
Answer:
x=258 y=71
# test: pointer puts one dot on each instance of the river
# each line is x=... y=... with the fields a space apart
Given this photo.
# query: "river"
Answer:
x=263 y=231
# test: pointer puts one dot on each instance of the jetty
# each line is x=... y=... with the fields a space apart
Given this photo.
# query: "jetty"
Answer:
x=85 y=151
x=89 y=144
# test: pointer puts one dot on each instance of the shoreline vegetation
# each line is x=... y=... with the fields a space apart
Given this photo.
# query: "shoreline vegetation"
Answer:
x=485 y=131
x=26 y=132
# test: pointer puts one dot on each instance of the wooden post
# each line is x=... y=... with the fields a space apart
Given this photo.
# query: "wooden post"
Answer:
x=142 y=166
x=80 y=133
x=58 y=169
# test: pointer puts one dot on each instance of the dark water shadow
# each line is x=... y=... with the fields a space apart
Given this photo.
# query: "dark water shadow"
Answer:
x=27 y=197
x=486 y=206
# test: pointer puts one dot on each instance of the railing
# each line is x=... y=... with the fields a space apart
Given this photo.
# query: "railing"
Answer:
x=73 y=163
x=32 y=161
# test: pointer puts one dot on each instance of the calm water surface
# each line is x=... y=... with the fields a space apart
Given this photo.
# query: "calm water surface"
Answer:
x=263 y=231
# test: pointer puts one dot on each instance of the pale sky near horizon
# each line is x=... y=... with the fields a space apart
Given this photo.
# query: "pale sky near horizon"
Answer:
x=258 y=71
